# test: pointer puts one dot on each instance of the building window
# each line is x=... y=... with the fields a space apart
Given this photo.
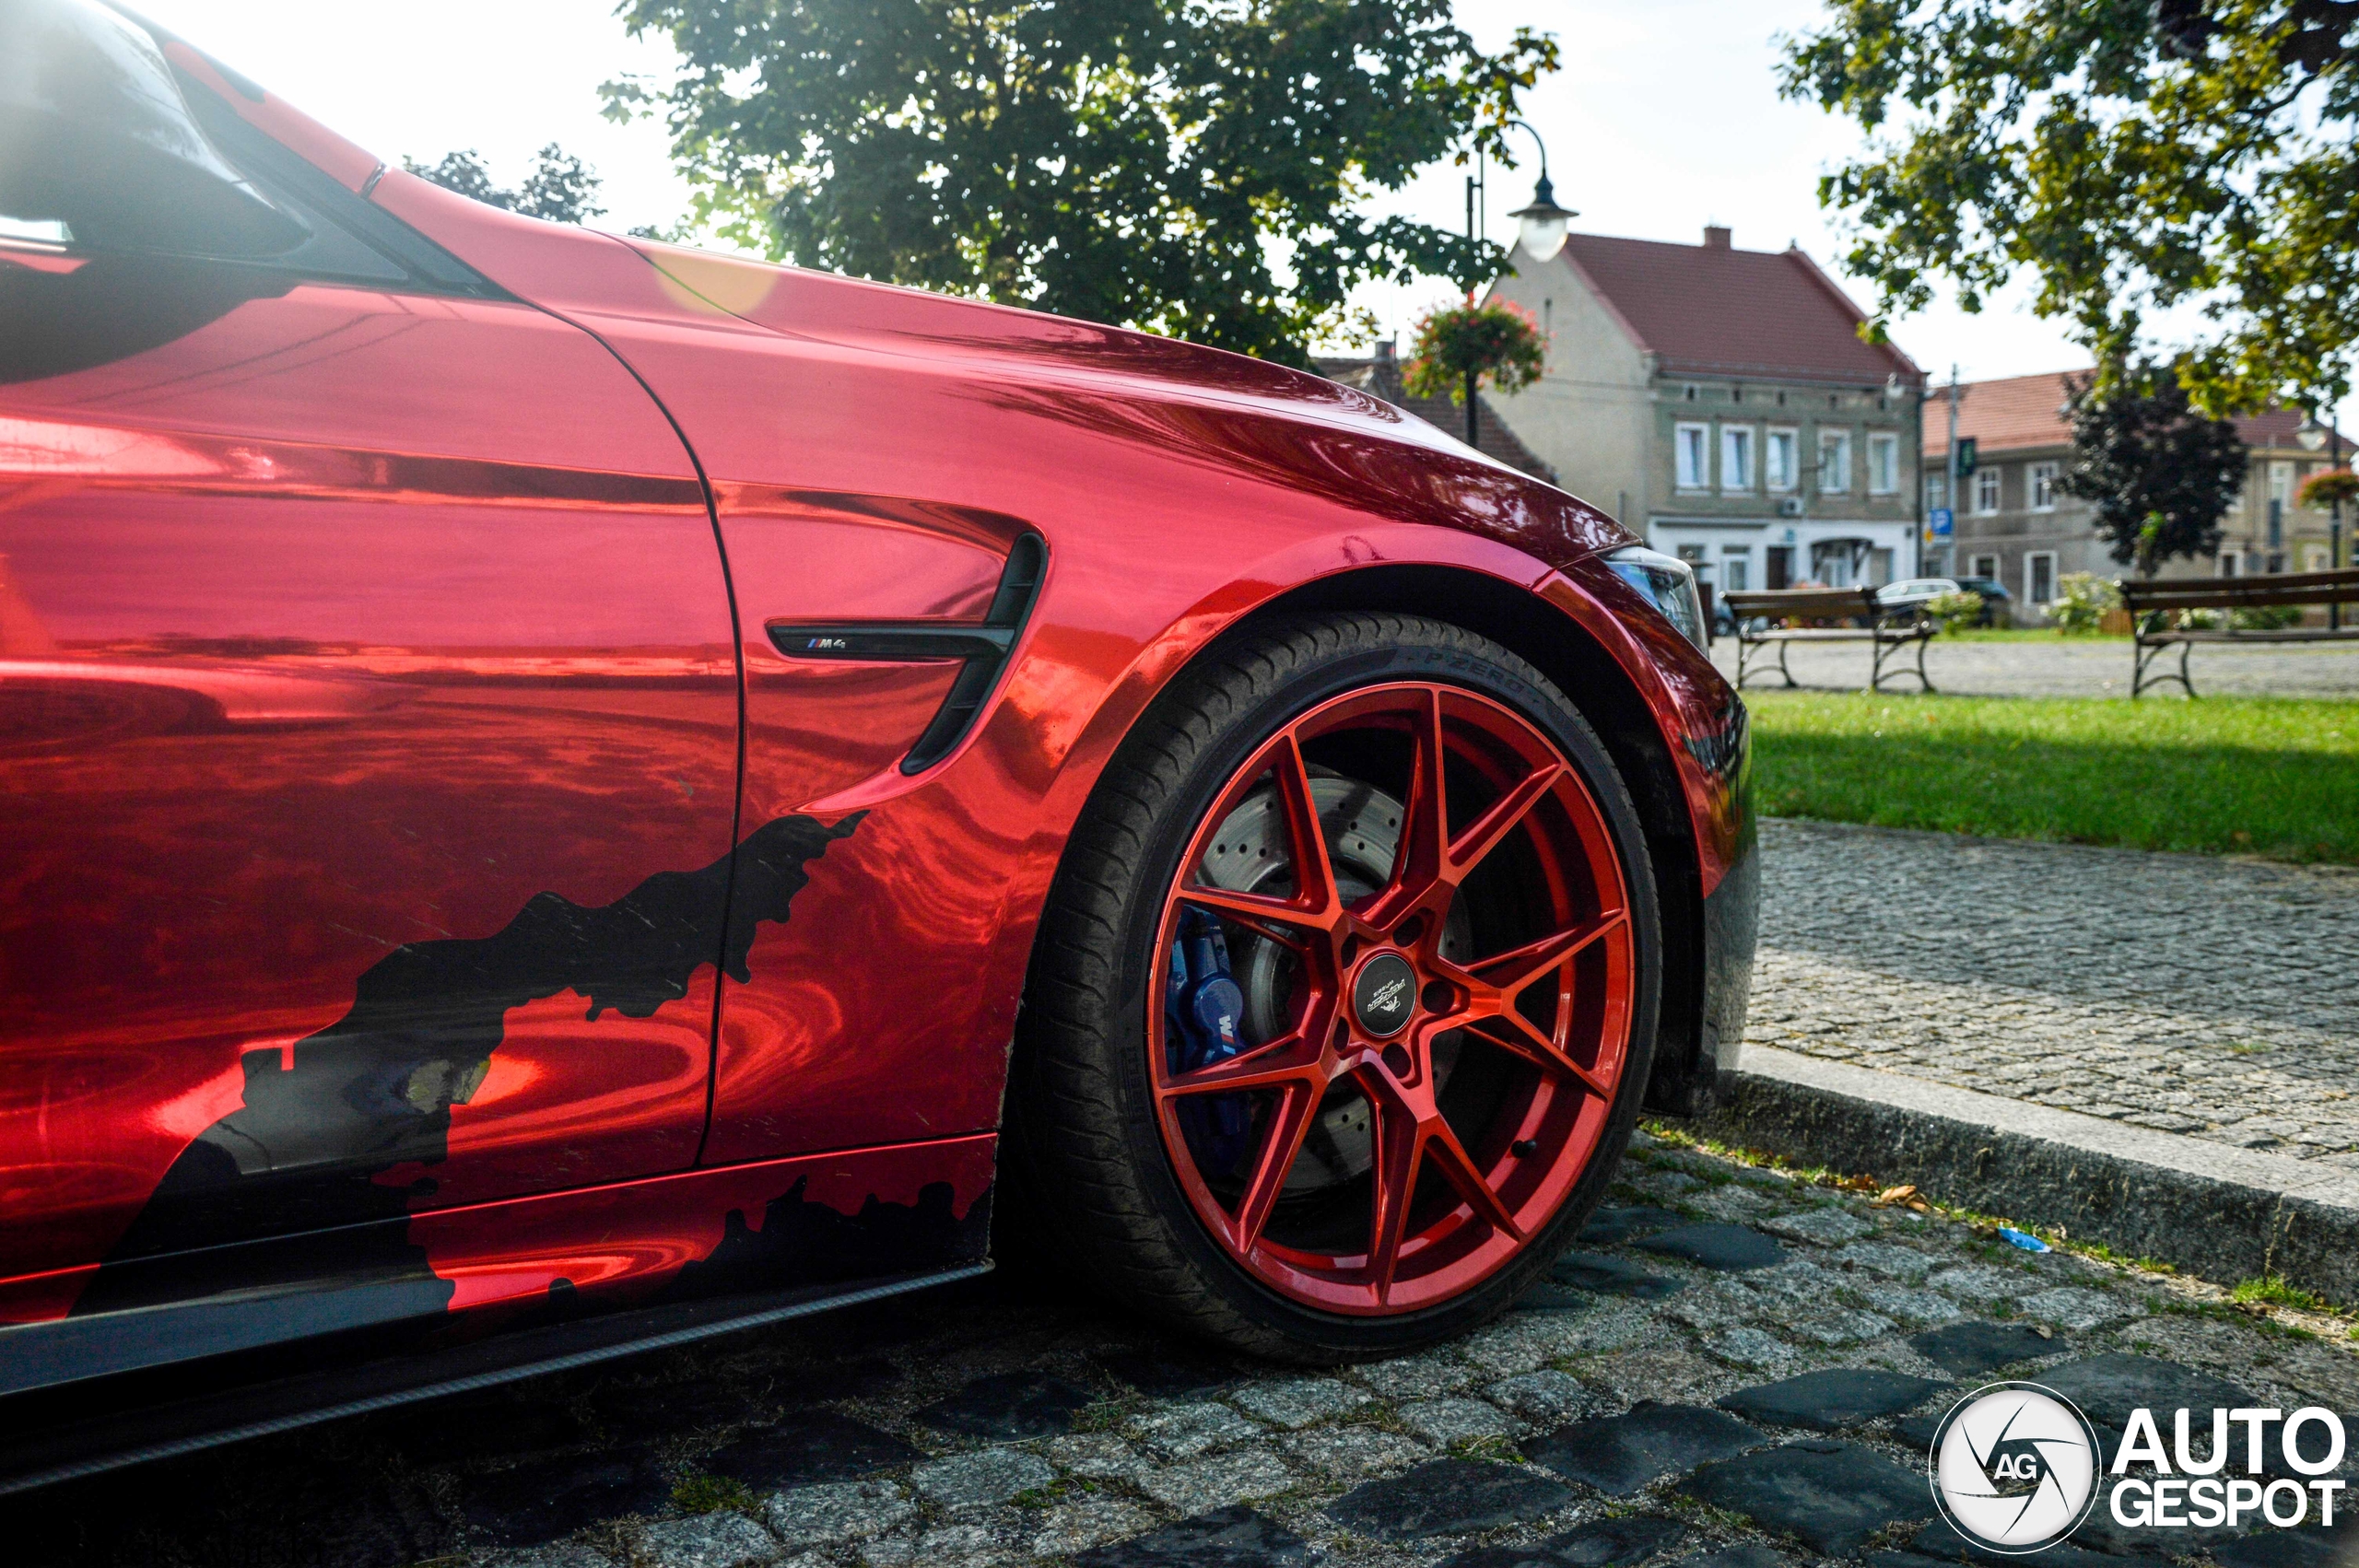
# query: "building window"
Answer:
x=2314 y=558
x=2228 y=564
x=1985 y=491
x=2039 y=577
x=1691 y=456
x=1736 y=567
x=1986 y=566
x=1736 y=457
x=1884 y=463
x=1691 y=391
x=2280 y=485
x=1777 y=459
x=1937 y=490
x=1736 y=393
x=1833 y=461
x=2043 y=486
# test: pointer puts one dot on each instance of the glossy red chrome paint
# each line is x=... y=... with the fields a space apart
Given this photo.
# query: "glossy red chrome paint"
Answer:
x=341 y=623
x=1576 y=1062
x=618 y=1246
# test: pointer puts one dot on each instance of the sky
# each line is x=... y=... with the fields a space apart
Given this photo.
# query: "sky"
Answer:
x=1665 y=117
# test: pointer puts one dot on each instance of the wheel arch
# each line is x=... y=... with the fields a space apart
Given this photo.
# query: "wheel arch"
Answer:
x=1561 y=648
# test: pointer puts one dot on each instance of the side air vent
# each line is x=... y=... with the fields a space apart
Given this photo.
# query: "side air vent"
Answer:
x=982 y=651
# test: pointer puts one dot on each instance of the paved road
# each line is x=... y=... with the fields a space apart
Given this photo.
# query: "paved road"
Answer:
x=2217 y=998
x=1591 y=1427
x=2093 y=667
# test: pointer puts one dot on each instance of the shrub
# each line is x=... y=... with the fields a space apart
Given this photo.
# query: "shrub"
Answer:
x=2265 y=617
x=1954 y=611
x=2082 y=601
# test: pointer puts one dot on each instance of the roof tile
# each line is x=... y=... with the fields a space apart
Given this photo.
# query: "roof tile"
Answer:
x=1709 y=310
x=2017 y=412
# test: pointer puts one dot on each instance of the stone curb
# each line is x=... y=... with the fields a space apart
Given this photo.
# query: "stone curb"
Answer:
x=2220 y=1212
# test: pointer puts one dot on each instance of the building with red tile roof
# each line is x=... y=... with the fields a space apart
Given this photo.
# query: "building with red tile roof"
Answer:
x=2016 y=524
x=1724 y=404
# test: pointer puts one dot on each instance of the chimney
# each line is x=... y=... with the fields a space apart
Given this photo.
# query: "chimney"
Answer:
x=1385 y=350
x=1715 y=238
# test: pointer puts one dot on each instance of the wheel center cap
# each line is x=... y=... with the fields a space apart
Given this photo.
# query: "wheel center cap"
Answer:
x=1385 y=995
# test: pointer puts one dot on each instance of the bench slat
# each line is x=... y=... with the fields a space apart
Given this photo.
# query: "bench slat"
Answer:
x=2297 y=634
x=2237 y=592
x=1803 y=601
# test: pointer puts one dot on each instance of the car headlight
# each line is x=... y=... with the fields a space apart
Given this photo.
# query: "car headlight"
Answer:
x=1666 y=583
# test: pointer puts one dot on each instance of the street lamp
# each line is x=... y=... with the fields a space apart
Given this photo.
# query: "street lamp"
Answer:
x=1541 y=233
x=1542 y=225
x=2313 y=435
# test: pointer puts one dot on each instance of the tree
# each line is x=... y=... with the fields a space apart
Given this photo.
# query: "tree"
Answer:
x=561 y=188
x=1191 y=167
x=2162 y=474
x=2136 y=155
x=1459 y=348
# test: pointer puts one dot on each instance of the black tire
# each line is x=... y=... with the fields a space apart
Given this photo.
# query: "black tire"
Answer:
x=1081 y=1150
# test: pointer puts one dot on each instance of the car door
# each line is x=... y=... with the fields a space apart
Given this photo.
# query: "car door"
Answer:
x=369 y=738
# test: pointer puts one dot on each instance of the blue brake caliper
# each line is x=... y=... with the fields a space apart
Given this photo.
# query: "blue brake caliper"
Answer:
x=1205 y=1010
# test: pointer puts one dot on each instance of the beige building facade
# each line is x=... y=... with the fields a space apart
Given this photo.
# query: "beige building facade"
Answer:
x=1721 y=404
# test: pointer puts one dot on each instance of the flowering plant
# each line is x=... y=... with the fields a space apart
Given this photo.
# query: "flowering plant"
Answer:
x=2322 y=489
x=2082 y=600
x=1497 y=344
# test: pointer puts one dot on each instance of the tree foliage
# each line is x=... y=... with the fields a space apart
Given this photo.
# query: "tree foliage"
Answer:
x=561 y=188
x=1497 y=344
x=1193 y=167
x=2162 y=473
x=2136 y=155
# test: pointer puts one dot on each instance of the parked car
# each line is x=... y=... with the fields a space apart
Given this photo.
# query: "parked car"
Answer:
x=567 y=794
x=1997 y=604
x=1914 y=593
x=1910 y=596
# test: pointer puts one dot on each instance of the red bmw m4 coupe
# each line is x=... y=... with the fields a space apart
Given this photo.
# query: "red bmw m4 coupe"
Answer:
x=560 y=794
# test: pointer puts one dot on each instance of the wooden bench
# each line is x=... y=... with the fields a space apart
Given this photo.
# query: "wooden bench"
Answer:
x=2153 y=608
x=1863 y=620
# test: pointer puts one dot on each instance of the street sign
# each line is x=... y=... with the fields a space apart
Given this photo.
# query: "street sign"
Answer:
x=1965 y=456
x=1943 y=521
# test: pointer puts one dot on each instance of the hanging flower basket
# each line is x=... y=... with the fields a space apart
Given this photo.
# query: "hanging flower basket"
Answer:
x=1499 y=344
x=2320 y=491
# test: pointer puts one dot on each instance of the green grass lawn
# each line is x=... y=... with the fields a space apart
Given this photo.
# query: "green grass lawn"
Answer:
x=2266 y=776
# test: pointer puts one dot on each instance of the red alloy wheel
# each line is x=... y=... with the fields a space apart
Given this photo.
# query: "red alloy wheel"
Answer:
x=1450 y=1192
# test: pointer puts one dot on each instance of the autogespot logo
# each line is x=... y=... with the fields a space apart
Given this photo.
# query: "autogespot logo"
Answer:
x=2015 y=1467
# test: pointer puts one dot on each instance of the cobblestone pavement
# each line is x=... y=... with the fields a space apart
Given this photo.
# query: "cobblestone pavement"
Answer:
x=1736 y=1369
x=2094 y=667
x=2213 y=997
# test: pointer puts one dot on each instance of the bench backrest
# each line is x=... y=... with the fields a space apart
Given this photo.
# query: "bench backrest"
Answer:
x=2239 y=592
x=1802 y=603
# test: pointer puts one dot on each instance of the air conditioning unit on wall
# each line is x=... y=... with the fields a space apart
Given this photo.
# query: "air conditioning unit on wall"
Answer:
x=1791 y=506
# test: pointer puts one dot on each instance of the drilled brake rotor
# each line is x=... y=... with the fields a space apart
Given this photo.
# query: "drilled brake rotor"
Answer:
x=1249 y=854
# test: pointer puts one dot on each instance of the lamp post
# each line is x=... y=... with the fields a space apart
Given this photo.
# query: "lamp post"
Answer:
x=1541 y=226
x=2313 y=436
